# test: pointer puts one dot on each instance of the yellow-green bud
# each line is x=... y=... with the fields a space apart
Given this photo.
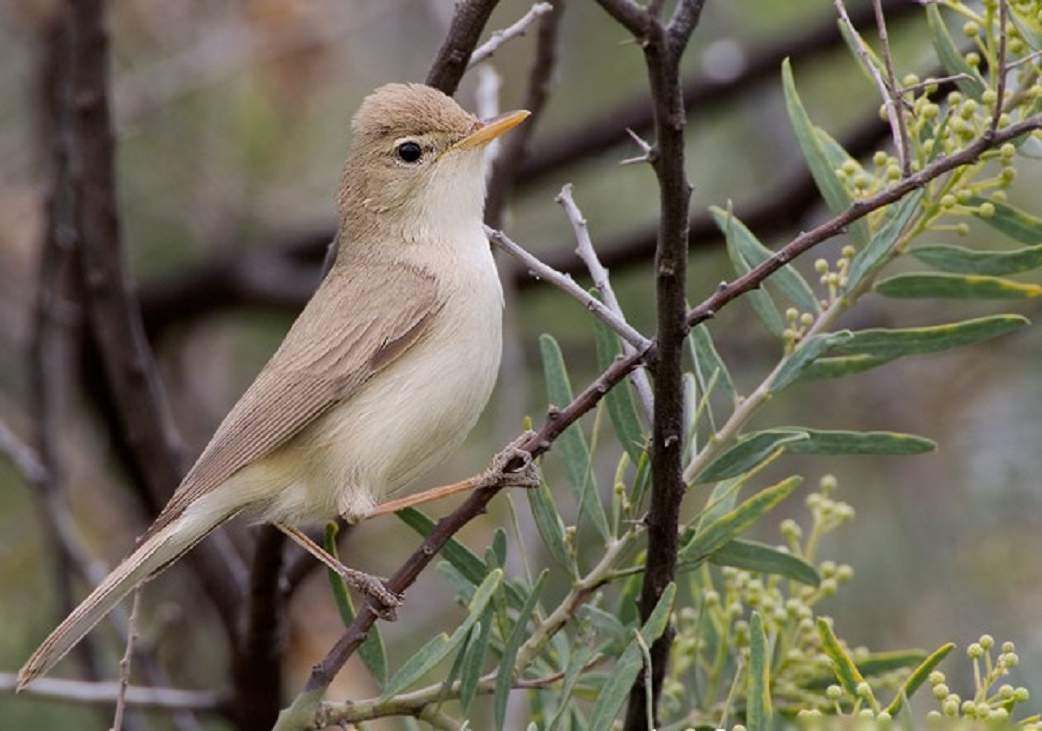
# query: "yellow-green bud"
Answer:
x=821 y=266
x=936 y=677
x=879 y=158
x=986 y=210
x=806 y=319
x=941 y=691
x=948 y=200
x=828 y=483
x=1007 y=151
x=834 y=692
x=989 y=97
x=1008 y=646
x=973 y=59
x=975 y=650
x=970 y=29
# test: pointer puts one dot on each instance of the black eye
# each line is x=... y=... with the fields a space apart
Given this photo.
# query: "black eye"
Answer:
x=409 y=151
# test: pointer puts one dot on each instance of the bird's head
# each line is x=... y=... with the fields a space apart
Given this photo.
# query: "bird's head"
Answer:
x=416 y=156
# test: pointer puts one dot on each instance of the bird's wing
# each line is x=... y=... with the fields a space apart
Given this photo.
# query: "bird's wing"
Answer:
x=356 y=324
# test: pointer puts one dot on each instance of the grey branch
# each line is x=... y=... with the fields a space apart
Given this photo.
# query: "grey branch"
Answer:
x=499 y=37
x=22 y=456
x=105 y=693
x=1003 y=68
x=566 y=283
x=124 y=663
x=601 y=280
x=893 y=98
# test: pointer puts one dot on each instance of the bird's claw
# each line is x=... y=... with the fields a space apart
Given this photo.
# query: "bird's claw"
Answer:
x=382 y=600
x=497 y=474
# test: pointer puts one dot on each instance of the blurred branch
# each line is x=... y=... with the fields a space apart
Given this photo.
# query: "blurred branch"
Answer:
x=564 y=282
x=663 y=47
x=21 y=455
x=302 y=712
x=468 y=22
x=125 y=663
x=499 y=37
x=602 y=282
x=114 y=315
x=79 y=691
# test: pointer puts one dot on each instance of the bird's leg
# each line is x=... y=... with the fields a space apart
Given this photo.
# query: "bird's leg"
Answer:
x=383 y=601
x=497 y=475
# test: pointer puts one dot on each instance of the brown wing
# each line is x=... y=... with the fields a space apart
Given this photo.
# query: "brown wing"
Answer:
x=355 y=324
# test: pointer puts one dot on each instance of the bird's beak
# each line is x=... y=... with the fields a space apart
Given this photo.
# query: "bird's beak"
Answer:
x=492 y=129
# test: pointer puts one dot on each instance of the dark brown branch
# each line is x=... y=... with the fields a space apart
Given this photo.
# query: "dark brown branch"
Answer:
x=324 y=672
x=258 y=664
x=663 y=48
x=113 y=311
x=515 y=148
x=468 y=22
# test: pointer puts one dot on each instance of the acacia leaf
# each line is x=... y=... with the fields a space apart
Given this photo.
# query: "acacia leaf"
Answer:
x=960 y=260
x=955 y=286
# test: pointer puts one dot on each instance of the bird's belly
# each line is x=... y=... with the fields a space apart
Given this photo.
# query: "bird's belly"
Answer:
x=401 y=423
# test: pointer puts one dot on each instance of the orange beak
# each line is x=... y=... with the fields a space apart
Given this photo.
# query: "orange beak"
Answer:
x=493 y=129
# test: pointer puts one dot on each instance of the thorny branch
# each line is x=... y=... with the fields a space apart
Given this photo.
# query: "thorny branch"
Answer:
x=468 y=22
x=302 y=711
x=499 y=37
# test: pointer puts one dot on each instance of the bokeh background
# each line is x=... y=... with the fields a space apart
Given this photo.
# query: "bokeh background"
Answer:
x=232 y=124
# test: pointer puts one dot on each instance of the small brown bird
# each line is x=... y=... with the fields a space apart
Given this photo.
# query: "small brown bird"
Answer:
x=384 y=372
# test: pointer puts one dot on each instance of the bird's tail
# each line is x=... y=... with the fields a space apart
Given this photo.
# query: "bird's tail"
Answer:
x=148 y=559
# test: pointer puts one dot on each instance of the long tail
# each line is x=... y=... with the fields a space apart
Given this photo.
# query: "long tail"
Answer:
x=152 y=556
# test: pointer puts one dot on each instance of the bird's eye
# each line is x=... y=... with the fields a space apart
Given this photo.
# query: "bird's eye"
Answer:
x=409 y=151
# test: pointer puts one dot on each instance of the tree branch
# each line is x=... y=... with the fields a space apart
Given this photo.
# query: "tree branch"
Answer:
x=499 y=37
x=79 y=691
x=468 y=22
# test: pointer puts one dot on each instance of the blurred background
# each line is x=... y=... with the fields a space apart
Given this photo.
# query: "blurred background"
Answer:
x=232 y=122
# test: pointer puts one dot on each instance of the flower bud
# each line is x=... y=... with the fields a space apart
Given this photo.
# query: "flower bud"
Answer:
x=986 y=210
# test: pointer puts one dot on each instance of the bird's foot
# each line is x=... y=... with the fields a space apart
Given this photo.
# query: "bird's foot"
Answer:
x=382 y=600
x=498 y=474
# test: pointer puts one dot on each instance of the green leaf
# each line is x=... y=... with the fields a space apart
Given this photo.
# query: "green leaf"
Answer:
x=788 y=280
x=803 y=356
x=950 y=56
x=608 y=624
x=872 y=257
x=836 y=196
x=579 y=658
x=551 y=528
x=843 y=665
x=505 y=680
x=887 y=343
x=821 y=441
x=856 y=46
x=372 y=650
x=1013 y=222
x=721 y=500
x=841 y=366
x=750 y=451
x=875 y=664
x=438 y=648
x=758 y=691
x=474 y=659
x=918 y=677
x=753 y=556
x=707 y=362
x=465 y=560
x=960 y=260
x=955 y=286
x=573 y=447
x=727 y=527
x=616 y=688
x=760 y=300
x=621 y=406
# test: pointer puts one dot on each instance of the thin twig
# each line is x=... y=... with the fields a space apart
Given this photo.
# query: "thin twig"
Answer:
x=22 y=456
x=106 y=693
x=890 y=98
x=125 y=662
x=602 y=281
x=499 y=37
x=649 y=695
x=1002 y=67
x=911 y=88
x=468 y=22
x=566 y=283
x=1023 y=60
x=893 y=98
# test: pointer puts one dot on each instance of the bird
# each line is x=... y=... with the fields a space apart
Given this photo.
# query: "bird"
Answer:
x=384 y=372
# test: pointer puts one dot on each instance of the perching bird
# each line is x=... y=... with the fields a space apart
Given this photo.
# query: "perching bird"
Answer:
x=384 y=372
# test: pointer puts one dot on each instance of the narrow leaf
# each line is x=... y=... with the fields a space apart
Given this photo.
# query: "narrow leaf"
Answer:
x=887 y=343
x=506 y=664
x=820 y=441
x=950 y=56
x=918 y=677
x=759 y=557
x=955 y=286
x=872 y=257
x=1013 y=222
x=621 y=406
x=573 y=447
x=832 y=190
x=758 y=690
x=708 y=361
x=796 y=362
x=841 y=366
x=788 y=280
x=746 y=454
x=372 y=650
x=551 y=528
x=875 y=664
x=579 y=658
x=960 y=260
x=729 y=526
x=856 y=46
x=759 y=299
x=616 y=688
x=842 y=664
x=608 y=625
x=474 y=659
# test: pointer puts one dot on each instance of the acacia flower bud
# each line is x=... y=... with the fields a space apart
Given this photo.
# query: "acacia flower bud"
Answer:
x=975 y=650
x=970 y=29
x=935 y=677
x=986 y=210
x=834 y=692
x=941 y=691
x=948 y=200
